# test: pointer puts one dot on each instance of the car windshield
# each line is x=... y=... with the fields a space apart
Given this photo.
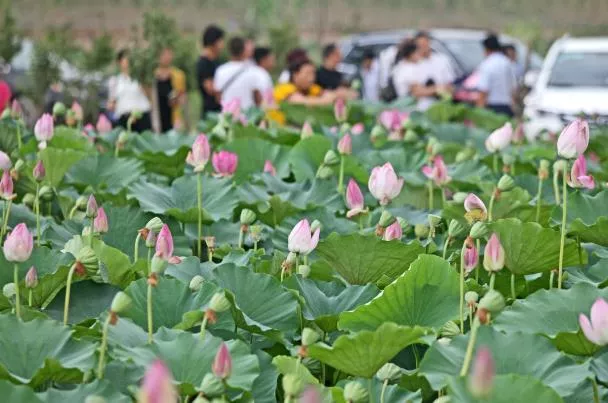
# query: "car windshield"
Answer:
x=580 y=69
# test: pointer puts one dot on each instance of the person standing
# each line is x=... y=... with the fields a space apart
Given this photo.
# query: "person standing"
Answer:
x=213 y=43
x=236 y=80
x=328 y=77
x=497 y=83
x=434 y=69
x=369 y=77
x=169 y=93
x=127 y=97
x=264 y=64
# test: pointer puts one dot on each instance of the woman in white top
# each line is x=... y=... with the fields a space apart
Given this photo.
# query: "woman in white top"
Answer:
x=127 y=96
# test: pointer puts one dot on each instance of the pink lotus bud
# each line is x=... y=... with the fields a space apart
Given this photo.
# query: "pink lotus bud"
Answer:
x=91 y=211
x=77 y=110
x=393 y=231
x=103 y=124
x=482 y=377
x=18 y=244
x=500 y=138
x=269 y=168
x=5 y=161
x=354 y=199
x=222 y=365
x=200 y=153
x=39 y=172
x=340 y=111
x=579 y=177
x=232 y=108
x=164 y=243
x=31 y=278
x=596 y=329
x=393 y=120
x=44 y=129
x=519 y=134
x=438 y=172
x=471 y=259
x=157 y=386
x=100 y=223
x=357 y=129
x=345 y=145
x=306 y=131
x=384 y=184
x=225 y=163
x=574 y=139
x=311 y=395
x=493 y=255
x=475 y=208
x=301 y=240
x=6 y=186
x=16 y=110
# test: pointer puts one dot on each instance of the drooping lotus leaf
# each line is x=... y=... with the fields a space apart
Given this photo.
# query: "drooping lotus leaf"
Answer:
x=363 y=353
x=41 y=350
x=426 y=295
x=289 y=365
x=363 y=259
x=101 y=388
x=104 y=173
x=530 y=248
x=587 y=216
x=596 y=274
x=518 y=353
x=506 y=389
x=87 y=300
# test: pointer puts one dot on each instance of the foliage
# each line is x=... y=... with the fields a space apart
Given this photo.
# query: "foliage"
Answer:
x=10 y=37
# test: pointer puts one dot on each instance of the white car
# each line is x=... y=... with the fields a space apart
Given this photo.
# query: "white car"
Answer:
x=572 y=82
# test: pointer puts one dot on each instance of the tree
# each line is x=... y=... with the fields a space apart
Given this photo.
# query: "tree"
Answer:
x=10 y=37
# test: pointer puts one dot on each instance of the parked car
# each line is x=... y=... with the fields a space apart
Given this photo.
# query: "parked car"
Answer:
x=462 y=46
x=572 y=82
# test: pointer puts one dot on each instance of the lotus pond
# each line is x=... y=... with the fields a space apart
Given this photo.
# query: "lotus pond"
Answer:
x=368 y=256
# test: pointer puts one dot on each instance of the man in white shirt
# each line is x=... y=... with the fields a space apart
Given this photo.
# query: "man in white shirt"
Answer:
x=497 y=82
x=434 y=69
x=236 y=78
x=369 y=77
x=264 y=64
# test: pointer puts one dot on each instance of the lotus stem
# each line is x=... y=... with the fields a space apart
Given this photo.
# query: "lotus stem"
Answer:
x=556 y=187
x=136 y=247
x=203 y=328
x=462 y=288
x=478 y=245
x=563 y=232
x=17 y=300
x=116 y=149
x=469 y=354
x=445 y=246
x=551 y=278
x=443 y=201
x=384 y=385
x=68 y=287
x=513 y=295
x=255 y=245
x=37 y=211
x=341 y=175
x=430 y=186
x=6 y=216
x=492 y=280
x=73 y=211
x=103 y=348
x=209 y=255
x=539 y=194
x=241 y=236
x=19 y=142
x=199 y=201
x=491 y=208
x=596 y=392
x=149 y=261
x=495 y=163
x=580 y=251
x=149 y=309
x=470 y=316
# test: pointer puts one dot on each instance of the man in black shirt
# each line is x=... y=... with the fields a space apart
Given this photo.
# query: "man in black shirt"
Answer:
x=213 y=43
x=327 y=75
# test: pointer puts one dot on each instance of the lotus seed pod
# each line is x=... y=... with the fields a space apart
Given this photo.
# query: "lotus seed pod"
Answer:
x=434 y=220
x=247 y=217
x=19 y=165
x=493 y=302
x=403 y=223
x=292 y=385
x=508 y=159
x=159 y=265
x=196 y=283
x=219 y=302
x=309 y=336
x=9 y=290
x=155 y=224
x=459 y=197
x=450 y=329
x=331 y=158
x=421 y=230
x=479 y=230
x=444 y=341
x=505 y=183
x=471 y=297
x=390 y=372
x=456 y=228
x=324 y=172
x=81 y=202
x=386 y=219
x=304 y=270
x=410 y=136
x=121 y=302
x=88 y=259
x=355 y=393
x=211 y=385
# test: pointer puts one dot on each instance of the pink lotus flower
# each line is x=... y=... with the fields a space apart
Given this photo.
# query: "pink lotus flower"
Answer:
x=384 y=183
x=6 y=186
x=596 y=329
x=475 y=207
x=39 y=171
x=222 y=364
x=301 y=240
x=493 y=255
x=5 y=161
x=354 y=199
x=481 y=380
x=225 y=163
x=43 y=130
x=393 y=231
x=306 y=131
x=100 y=223
x=16 y=110
x=471 y=259
x=393 y=120
x=310 y=395
x=438 y=172
x=18 y=244
x=340 y=111
x=164 y=246
x=77 y=110
x=357 y=129
x=345 y=145
x=31 y=278
x=199 y=155
x=157 y=386
x=500 y=138
x=578 y=176
x=574 y=139
x=103 y=124
x=232 y=108
x=269 y=168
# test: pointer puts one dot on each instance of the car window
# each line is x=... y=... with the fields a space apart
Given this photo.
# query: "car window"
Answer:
x=579 y=69
x=468 y=51
x=356 y=53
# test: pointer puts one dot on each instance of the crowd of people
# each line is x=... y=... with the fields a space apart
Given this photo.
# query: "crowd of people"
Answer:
x=410 y=69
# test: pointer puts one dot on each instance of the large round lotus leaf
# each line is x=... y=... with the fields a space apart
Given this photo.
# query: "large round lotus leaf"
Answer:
x=587 y=216
x=104 y=173
x=87 y=300
x=17 y=393
x=58 y=161
x=517 y=353
x=506 y=389
x=363 y=353
x=253 y=153
x=101 y=388
x=392 y=394
x=426 y=295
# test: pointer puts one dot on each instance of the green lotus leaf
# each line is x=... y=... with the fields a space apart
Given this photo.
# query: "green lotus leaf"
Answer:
x=68 y=138
x=280 y=135
x=392 y=394
x=289 y=365
x=87 y=300
x=58 y=161
x=307 y=155
x=253 y=153
x=587 y=216
x=8 y=135
x=506 y=389
x=18 y=393
x=363 y=259
x=265 y=385
x=426 y=295
x=599 y=366
x=101 y=388
x=363 y=353
x=40 y=351
x=104 y=173
x=165 y=155
x=518 y=353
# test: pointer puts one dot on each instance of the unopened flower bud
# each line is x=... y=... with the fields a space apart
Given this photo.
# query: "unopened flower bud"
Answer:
x=478 y=230
x=355 y=393
x=219 y=303
x=9 y=290
x=465 y=155
x=386 y=219
x=455 y=228
x=421 y=231
x=86 y=231
x=58 y=109
x=31 y=278
x=471 y=298
x=155 y=224
x=91 y=211
x=291 y=258
x=559 y=166
x=505 y=183
x=410 y=136
x=459 y=197
x=389 y=372
x=304 y=270
x=28 y=199
x=196 y=283
x=247 y=217
x=324 y=172
x=493 y=302
x=434 y=220
x=211 y=385
x=377 y=133
x=121 y=302
x=151 y=239
x=450 y=329
x=309 y=336
x=19 y=165
x=159 y=265
x=331 y=158
x=315 y=225
x=255 y=232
